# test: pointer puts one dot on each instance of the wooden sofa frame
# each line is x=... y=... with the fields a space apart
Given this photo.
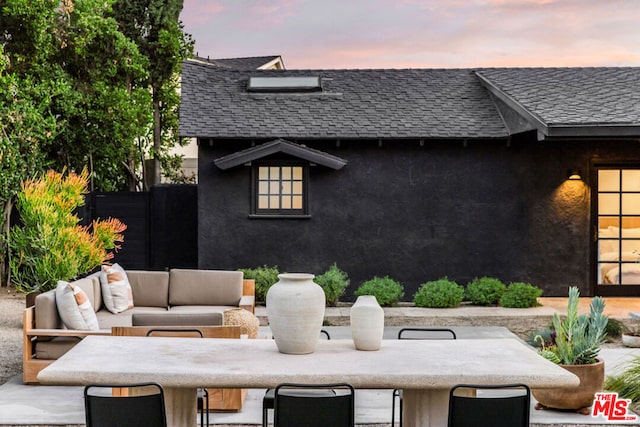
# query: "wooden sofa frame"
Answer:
x=32 y=366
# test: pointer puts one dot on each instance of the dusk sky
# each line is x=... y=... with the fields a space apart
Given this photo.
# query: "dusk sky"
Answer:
x=419 y=33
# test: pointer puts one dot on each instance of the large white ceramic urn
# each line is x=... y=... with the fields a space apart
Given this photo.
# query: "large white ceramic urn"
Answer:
x=295 y=308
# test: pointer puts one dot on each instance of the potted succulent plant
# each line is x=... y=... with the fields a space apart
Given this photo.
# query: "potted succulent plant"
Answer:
x=575 y=347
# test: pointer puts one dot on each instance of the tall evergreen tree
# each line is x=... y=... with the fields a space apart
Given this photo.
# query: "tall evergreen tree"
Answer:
x=155 y=27
x=106 y=108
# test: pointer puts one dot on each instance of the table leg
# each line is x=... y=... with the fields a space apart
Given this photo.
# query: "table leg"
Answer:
x=181 y=407
x=425 y=408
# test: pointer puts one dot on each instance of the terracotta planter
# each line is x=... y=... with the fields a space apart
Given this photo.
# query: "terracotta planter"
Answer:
x=295 y=308
x=631 y=340
x=578 y=398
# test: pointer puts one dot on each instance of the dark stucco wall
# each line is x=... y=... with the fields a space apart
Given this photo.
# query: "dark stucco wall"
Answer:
x=416 y=213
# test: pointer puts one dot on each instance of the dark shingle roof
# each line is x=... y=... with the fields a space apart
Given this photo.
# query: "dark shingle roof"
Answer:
x=570 y=97
x=415 y=103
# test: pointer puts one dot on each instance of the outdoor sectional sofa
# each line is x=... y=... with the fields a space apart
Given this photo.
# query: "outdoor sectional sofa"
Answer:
x=177 y=297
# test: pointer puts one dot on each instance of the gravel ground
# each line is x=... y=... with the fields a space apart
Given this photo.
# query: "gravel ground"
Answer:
x=12 y=304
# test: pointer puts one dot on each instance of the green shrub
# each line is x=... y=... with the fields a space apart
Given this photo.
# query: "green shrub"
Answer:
x=485 y=291
x=615 y=328
x=520 y=295
x=334 y=282
x=50 y=244
x=264 y=276
x=386 y=290
x=440 y=293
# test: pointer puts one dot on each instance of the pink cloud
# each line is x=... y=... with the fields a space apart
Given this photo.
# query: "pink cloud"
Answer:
x=419 y=33
x=198 y=12
x=268 y=14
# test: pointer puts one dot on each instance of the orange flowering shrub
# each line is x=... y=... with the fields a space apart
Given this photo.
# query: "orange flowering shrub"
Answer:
x=50 y=244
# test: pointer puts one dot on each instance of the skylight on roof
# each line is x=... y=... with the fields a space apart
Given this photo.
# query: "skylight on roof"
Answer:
x=284 y=84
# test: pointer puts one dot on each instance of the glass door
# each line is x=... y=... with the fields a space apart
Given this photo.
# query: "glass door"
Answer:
x=618 y=231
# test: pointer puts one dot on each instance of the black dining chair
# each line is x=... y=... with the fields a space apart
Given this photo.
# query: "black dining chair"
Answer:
x=417 y=334
x=203 y=395
x=314 y=405
x=142 y=407
x=505 y=405
x=269 y=395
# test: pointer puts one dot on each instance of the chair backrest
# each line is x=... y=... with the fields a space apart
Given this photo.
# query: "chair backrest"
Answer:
x=143 y=407
x=170 y=332
x=298 y=405
x=426 y=334
x=226 y=331
x=325 y=333
x=497 y=405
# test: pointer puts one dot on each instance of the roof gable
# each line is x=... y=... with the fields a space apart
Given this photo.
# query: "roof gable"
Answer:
x=570 y=102
x=280 y=146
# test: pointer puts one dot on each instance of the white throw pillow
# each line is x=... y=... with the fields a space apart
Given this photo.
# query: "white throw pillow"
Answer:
x=116 y=290
x=74 y=308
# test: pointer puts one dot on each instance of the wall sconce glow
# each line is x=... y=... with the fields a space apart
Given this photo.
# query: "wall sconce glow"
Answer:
x=574 y=174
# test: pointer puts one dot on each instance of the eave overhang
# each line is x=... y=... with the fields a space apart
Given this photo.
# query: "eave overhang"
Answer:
x=280 y=146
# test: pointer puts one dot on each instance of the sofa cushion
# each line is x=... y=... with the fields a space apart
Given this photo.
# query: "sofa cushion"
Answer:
x=177 y=319
x=47 y=316
x=96 y=298
x=199 y=309
x=74 y=307
x=91 y=287
x=54 y=348
x=107 y=320
x=116 y=291
x=205 y=287
x=150 y=288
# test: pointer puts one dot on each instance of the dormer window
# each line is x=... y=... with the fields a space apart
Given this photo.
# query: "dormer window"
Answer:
x=285 y=84
x=280 y=176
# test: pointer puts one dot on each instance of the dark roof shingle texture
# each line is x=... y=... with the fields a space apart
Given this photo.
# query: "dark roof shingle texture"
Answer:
x=573 y=96
x=413 y=103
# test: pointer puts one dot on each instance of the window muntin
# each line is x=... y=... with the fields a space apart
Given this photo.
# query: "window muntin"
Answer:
x=281 y=189
x=618 y=210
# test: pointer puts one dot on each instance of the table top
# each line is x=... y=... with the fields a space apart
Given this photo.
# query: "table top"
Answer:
x=408 y=364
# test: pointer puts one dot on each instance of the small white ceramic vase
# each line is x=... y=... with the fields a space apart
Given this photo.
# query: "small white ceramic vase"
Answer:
x=295 y=308
x=367 y=323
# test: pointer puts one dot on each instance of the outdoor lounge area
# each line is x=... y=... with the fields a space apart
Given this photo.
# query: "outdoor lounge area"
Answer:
x=59 y=405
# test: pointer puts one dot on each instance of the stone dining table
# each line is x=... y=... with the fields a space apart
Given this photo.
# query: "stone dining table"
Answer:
x=424 y=369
